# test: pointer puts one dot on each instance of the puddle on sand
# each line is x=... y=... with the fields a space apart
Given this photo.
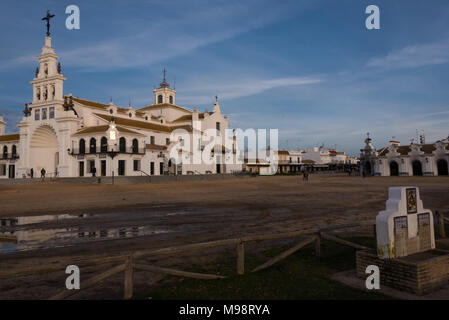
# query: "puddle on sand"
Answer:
x=29 y=233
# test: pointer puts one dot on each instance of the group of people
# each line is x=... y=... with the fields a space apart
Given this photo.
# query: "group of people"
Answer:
x=43 y=172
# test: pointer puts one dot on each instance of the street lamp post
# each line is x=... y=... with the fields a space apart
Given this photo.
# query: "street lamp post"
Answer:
x=112 y=154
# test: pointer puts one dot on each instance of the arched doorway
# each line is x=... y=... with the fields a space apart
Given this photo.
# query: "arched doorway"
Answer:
x=368 y=170
x=394 y=168
x=442 y=167
x=44 y=151
x=417 y=168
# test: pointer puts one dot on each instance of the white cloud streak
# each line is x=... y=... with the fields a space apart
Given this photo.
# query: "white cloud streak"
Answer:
x=414 y=56
x=201 y=92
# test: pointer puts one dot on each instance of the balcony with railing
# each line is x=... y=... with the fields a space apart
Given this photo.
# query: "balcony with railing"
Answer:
x=9 y=156
x=105 y=151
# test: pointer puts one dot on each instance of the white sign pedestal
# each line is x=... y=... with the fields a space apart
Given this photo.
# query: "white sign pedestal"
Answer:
x=405 y=227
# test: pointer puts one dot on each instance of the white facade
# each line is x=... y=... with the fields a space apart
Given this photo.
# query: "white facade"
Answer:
x=323 y=155
x=406 y=160
x=69 y=136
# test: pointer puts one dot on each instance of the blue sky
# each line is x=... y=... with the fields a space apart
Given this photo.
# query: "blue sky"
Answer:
x=308 y=68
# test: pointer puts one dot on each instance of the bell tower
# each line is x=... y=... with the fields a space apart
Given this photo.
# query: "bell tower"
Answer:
x=164 y=94
x=48 y=81
x=48 y=121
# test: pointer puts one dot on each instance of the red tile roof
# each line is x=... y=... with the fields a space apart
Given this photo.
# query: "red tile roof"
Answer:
x=135 y=123
x=10 y=137
x=155 y=147
x=100 y=129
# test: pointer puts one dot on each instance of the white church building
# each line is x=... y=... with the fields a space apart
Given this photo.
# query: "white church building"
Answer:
x=415 y=159
x=68 y=136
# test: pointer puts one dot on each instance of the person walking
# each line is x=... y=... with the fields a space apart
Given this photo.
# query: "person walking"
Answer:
x=32 y=173
x=43 y=174
x=94 y=172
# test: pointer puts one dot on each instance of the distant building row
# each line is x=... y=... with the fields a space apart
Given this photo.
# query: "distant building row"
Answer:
x=291 y=161
x=405 y=160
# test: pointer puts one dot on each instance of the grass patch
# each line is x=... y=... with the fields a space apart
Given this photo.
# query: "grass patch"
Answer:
x=300 y=276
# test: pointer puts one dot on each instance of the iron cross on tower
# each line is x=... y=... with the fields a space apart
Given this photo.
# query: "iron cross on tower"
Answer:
x=47 y=18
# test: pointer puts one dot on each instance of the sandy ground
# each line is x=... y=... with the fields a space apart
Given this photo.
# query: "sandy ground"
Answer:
x=194 y=212
x=325 y=193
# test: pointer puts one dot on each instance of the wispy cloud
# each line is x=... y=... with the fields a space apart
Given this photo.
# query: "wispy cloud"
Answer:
x=433 y=114
x=414 y=56
x=201 y=92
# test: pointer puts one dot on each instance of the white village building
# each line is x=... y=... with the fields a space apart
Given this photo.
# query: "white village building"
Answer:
x=74 y=137
x=405 y=160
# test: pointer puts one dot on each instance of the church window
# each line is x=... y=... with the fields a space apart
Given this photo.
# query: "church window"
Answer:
x=171 y=99
x=111 y=111
x=104 y=145
x=122 y=145
x=46 y=69
x=44 y=114
x=37 y=114
x=93 y=145
x=5 y=152
x=130 y=115
x=152 y=140
x=82 y=146
x=135 y=146
x=167 y=141
x=146 y=118
x=51 y=112
x=159 y=99
x=14 y=151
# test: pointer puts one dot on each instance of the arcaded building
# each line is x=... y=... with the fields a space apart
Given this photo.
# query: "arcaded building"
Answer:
x=405 y=160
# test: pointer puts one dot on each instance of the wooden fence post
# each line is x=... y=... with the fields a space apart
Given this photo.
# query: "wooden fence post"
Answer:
x=240 y=258
x=441 y=224
x=129 y=279
x=318 y=245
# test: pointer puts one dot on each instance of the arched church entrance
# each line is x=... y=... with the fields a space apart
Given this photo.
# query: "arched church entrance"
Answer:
x=442 y=167
x=417 y=168
x=394 y=168
x=44 y=151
